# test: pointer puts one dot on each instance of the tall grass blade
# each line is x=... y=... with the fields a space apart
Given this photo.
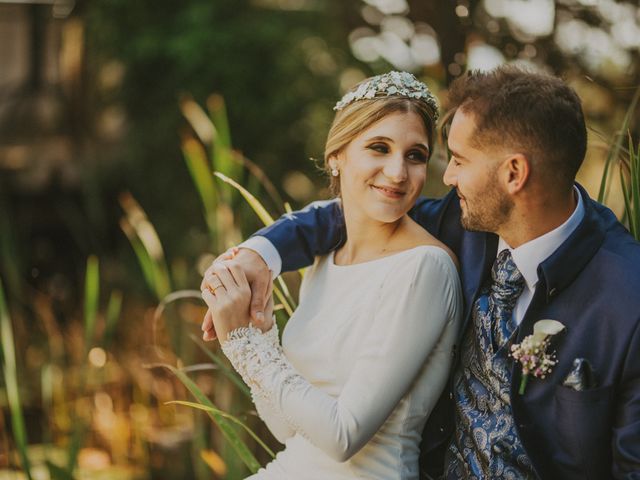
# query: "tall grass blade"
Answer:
x=220 y=363
x=226 y=415
x=10 y=371
x=148 y=236
x=144 y=260
x=287 y=294
x=283 y=300
x=257 y=172
x=634 y=175
x=626 y=195
x=196 y=160
x=198 y=119
x=222 y=156
x=614 y=151
x=226 y=426
x=257 y=207
x=114 y=308
x=91 y=298
x=58 y=473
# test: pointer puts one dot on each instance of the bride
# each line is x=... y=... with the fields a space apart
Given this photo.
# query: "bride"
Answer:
x=367 y=353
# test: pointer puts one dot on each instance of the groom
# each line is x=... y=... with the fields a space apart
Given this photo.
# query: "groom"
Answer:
x=532 y=245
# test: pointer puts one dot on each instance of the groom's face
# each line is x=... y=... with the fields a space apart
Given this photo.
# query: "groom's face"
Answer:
x=476 y=174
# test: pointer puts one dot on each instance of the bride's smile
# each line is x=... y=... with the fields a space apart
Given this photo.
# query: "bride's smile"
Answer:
x=383 y=170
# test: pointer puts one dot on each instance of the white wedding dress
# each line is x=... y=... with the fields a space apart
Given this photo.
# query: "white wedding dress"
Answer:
x=363 y=361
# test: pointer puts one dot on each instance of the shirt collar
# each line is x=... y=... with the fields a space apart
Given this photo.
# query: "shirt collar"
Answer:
x=529 y=255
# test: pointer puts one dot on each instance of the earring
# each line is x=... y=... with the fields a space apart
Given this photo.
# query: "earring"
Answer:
x=335 y=172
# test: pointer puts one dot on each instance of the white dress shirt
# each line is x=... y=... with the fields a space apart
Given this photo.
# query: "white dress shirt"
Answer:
x=529 y=255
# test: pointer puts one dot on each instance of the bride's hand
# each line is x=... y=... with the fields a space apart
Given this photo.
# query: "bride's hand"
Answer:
x=227 y=293
x=259 y=278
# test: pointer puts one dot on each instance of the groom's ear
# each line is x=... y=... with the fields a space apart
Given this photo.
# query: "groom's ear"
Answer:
x=518 y=171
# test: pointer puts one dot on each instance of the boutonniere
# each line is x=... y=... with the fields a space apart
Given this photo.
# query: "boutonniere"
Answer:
x=531 y=352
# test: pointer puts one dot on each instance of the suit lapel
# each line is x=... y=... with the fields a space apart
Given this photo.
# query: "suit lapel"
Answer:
x=477 y=256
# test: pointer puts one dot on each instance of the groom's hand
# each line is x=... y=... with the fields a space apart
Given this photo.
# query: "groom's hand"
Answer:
x=259 y=278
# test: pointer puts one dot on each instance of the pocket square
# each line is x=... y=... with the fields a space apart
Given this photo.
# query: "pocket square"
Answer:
x=581 y=377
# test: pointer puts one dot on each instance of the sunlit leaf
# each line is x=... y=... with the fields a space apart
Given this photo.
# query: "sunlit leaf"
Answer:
x=225 y=424
x=257 y=207
x=234 y=419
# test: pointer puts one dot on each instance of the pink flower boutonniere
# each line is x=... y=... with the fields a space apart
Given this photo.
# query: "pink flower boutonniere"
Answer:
x=531 y=352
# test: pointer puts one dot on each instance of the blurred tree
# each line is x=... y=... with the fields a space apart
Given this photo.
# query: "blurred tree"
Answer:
x=277 y=69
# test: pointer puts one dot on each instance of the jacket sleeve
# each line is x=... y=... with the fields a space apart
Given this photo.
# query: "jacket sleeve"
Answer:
x=319 y=228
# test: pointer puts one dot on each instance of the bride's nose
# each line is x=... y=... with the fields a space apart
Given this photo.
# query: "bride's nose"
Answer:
x=395 y=169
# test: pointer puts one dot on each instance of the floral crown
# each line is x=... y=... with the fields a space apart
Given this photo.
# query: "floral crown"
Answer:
x=400 y=84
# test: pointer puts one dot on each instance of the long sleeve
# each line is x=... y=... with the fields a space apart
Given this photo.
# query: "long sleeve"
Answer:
x=275 y=420
x=413 y=330
x=317 y=229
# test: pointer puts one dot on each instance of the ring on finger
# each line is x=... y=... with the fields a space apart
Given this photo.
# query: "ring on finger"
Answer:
x=213 y=289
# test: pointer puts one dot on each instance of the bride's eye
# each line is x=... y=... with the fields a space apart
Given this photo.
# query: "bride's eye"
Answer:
x=417 y=156
x=379 y=147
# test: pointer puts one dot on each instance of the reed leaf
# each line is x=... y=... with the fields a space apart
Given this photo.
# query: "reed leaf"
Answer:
x=58 y=473
x=196 y=160
x=257 y=172
x=287 y=294
x=614 y=151
x=142 y=228
x=91 y=298
x=634 y=175
x=255 y=204
x=225 y=424
x=226 y=415
x=626 y=196
x=10 y=371
x=144 y=260
x=114 y=308
x=220 y=363
x=222 y=153
x=198 y=119
x=283 y=300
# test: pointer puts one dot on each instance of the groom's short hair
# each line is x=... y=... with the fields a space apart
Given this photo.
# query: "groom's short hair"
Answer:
x=536 y=113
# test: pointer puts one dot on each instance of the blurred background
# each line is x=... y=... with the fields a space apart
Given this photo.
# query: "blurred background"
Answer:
x=114 y=116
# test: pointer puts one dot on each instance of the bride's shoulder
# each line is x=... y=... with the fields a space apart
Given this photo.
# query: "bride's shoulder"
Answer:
x=415 y=236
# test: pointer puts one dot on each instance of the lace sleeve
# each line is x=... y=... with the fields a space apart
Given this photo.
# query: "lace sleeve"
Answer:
x=261 y=362
x=242 y=349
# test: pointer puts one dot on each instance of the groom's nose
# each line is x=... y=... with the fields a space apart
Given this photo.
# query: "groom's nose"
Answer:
x=450 y=177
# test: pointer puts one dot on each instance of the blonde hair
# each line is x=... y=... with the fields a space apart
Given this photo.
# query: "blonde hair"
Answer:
x=361 y=114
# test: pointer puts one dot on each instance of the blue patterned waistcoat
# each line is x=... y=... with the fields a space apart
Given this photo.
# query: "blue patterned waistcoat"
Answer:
x=486 y=444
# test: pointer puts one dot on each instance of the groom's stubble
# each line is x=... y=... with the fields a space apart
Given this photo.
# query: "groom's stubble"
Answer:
x=487 y=209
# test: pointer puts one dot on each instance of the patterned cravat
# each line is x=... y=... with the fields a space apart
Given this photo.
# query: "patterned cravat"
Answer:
x=505 y=289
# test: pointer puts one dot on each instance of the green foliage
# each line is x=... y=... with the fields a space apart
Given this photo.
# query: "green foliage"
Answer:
x=10 y=372
x=224 y=421
x=628 y=161
x=259 y=59
x=631 y=189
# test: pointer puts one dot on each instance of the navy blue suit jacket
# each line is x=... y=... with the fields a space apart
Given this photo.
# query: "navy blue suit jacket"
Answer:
x=591 y=284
